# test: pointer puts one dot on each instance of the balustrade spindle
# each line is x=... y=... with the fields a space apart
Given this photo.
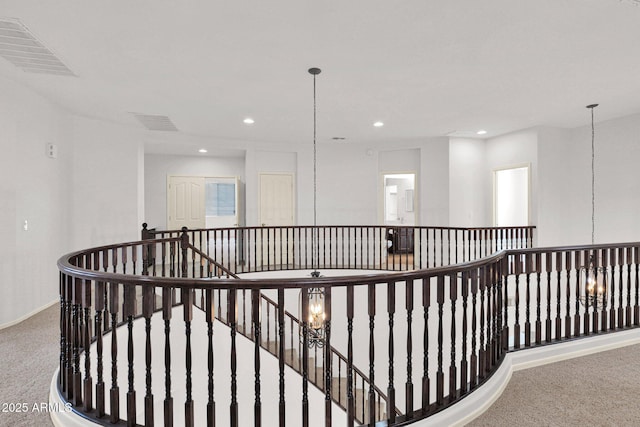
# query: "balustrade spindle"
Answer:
x=558 y=322
x=491 y=304
x=64 y=333
x=66 y=341
x=167 y=305
x=88 y=381
x=305 y=357
x=327 y=357
x=77 y=333
x=409 y=383
x=636 y=308
x=517 y=270
x=350 y=397
x=463 y=361
x=281 y=356
x=567 y=315
x=607 y=264
x=440 y=372
x=628 y=308
x=548 y=267
x=371 y=298
x=474 y=357
x=576 y=318
x=604 y=318
x=538 y=271
x=99 y=307
x=255 y=319
x=391 y=309
x=483 y=349
x=210 y=313
x=232 y=317
x=620 y=284
x=453 y=297
x=114 y=401
x=527 y=322
x=129 y=312
x=148 y=305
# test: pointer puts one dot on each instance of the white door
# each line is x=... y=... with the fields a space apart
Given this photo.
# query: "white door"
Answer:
x=222 y=202
x=276 y=199
x=276 y=210
x=185 y=202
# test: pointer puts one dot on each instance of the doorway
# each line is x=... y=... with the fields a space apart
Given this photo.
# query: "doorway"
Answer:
x=399 y=198
x=511 y=196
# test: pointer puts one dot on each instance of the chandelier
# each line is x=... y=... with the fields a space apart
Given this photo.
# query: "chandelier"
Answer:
x=593 y=275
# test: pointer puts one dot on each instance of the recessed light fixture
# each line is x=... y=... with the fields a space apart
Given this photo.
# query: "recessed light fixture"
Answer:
x=249 y=121
x=202 y=150
x=481 y=132
x=378 y=124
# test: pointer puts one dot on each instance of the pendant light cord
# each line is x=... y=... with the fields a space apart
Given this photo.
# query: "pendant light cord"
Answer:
x=593 y=177
x=314 y=236
x=314 y=155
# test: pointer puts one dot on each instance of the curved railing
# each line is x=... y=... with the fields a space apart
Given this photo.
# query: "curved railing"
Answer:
x=426 y=338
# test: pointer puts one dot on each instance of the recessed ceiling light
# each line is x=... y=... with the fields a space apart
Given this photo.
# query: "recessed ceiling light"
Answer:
x=202 y=150
x=481 y=132
x=378 y=124
x=248 y=121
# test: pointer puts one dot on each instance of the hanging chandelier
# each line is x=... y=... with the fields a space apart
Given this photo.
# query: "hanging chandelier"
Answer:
x=311 y=301
x=593 y=275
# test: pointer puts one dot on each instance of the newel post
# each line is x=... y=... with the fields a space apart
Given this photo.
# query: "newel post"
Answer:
x=146 y=250
x=184 y=244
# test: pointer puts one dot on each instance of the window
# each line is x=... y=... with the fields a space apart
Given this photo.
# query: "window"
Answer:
x=220 y=199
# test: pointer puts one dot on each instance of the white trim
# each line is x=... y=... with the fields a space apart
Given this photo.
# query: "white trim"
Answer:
x=482 y=398
x=26 y=316
x=59 y=415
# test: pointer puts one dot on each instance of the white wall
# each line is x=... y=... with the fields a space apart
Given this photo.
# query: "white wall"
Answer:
x=36 y=189
x=106 y=183
x=158 y=166
x=510 y=150
x=433 y=186
x=469 y=197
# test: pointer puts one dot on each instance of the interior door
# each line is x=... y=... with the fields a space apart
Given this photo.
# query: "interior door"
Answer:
x=276 y=210
x=276 y=199
x=222 y=203
x=185 y=202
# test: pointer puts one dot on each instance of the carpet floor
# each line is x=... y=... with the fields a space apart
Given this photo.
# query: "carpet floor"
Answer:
x=29 y=355
x=599 y=390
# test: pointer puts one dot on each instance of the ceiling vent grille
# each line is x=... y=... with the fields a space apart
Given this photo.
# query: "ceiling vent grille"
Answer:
x=20 y=47
x=162 y=123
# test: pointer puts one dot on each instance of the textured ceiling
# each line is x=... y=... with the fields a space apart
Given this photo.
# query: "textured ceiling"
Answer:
x=424 y=68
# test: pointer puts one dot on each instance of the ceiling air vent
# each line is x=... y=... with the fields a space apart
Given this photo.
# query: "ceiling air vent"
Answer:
x=20 y=47
x=162 y=123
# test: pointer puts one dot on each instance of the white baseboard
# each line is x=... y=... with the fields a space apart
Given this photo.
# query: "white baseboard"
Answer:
x=61 y=413
x=26 y=316
x=473 y=405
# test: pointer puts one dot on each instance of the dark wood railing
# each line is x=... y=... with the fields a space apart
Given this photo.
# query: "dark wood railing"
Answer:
x=375 y=247
x=427 y=337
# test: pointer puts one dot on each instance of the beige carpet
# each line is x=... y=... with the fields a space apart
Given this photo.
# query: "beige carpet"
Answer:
x=29 y=354
x=599 y=390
